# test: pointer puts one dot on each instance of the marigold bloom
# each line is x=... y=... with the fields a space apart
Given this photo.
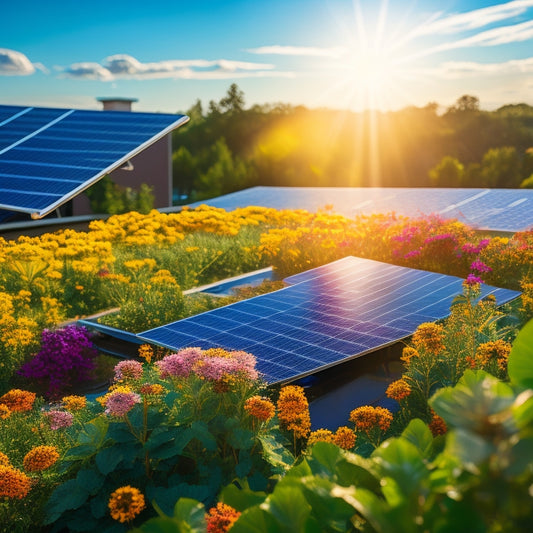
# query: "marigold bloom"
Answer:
x=121 y=403
x=129 y=369
x=260 y=408
x=293 y=410
x=4 y=459
x=40 y=458
x=74 y=403
x=344 y=438
x=126 y=503
x=429 y=336
x=366 y=417
x=18 y=400
x=437 y=425
x=59 y=419
x=146 y=352
x=221 y=518
x=13 y=483
x=320 y=435
x=398 y=390
x=5 y=411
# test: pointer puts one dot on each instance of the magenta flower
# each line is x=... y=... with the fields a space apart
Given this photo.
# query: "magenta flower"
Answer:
x=121 y=403
x=59 y=419
x=479 y=266
x=179 y=365
x=128 y=370
x=473 y=280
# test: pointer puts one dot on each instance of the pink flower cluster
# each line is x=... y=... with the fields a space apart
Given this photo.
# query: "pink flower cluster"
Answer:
x=479 y=266
x=473 y=280
x=129 y=369
x=207 y=366
x=470 y=248
x=59 y=419
x=121 y=403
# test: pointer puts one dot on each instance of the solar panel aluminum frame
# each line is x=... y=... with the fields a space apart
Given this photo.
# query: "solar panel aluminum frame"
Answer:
x=37 y=214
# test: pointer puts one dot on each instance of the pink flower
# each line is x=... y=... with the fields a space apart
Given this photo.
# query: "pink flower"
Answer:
x=179 y=365
x=121 y=403
x=239 y=363
x=128 y=370
x=480 y=266
x=473 y=280
x=59 y=419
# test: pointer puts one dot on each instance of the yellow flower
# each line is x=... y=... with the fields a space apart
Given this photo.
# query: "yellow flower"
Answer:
x=408 y=353
x=146 y=352
x=398 y=390
x=366 y=418
x=74 y=403
x=4 y=460
x=5 y=411
x=344 y=438
x=126 y=503
x=18 y=400
x=429 y=336
x=293 y=410
x=221 y=518
x=320 y=435
x=260 y=408
x=40 y=458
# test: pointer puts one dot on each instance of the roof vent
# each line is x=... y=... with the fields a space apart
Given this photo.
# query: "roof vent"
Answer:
x=114 y=103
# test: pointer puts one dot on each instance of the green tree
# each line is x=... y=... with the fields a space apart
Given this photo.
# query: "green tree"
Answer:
x=184 y=169
x=501 y=167
x=233 y=102
x=450 y=172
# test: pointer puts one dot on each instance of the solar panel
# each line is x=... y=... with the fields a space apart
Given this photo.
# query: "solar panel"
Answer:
x=493 y=209
x=48 y=156
x=324 y=316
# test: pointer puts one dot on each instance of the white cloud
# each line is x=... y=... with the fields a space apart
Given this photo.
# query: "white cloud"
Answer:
x=312 y=51
x=475 y=19
x=461 y=69
x=122 y=66
x=13 y=63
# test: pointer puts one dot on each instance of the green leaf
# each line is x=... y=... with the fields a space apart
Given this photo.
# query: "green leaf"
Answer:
x=521 y=457
x=69 y=495
x=243 y=467
x=90 y=479
x=192 y=513
x=241 y=498
x=471 y=449
x=166 y=442
x=520 y=365
x=275 y=453
x=108 y=459
x=469 y=404
x=95 y=432
x=288 y=507
x=420 y=435
x=523 y=409
x=200 y=431
x=256 y=520
x=82 y=451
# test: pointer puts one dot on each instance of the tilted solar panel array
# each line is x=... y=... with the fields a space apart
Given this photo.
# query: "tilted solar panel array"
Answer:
x=47 y=156
x=325 y=316
x=493 y=209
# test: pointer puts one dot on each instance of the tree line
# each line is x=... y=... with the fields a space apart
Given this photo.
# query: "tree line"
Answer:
x=228 y=147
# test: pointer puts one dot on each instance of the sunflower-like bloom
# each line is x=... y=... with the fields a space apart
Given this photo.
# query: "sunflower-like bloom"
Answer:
x=74 y=403
x=126 y=503
x=344 y=438
x=221 y=518
x=261 y=408
x=365 y=418
x=18 y=400
x=429 y=336
x=14 y=483
x=40 y=458
x=293 y=410
x=398 y=390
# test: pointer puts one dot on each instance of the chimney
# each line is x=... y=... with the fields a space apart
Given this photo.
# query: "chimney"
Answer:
x=114 y=103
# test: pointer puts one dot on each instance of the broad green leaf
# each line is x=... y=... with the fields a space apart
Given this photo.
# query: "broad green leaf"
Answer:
x=288 y=507
x=82 y=451
x=241 y=498
x=470 y=448
x=243 y=467
x=275 y=453
x=95 y=432
x=256 y=520
x=90 y=479
x=523 y=409
x=190 y=513
x=520 y=365
x=69 y=495
x=108 y=459
x=521 y=457
x=165 y=442
x=200 y=431
x=418 y=433
x=472 y=401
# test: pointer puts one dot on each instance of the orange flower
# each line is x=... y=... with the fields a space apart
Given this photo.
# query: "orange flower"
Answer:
x=126 y=503
x=293 y=410
x=344 y=438
x=146 y=352
x=221 y=518
x=18 y=400
x=74 y=403
x=437 y=425
x=320 y=435
x=4 y=460
x=260 y=408
x=409 y=353
x=398 y=390
x=498 y=350
x=5 y=411
x=429 y=336
x=365 y=418
x=152 y=389
x=40 y=458
x=13 y=483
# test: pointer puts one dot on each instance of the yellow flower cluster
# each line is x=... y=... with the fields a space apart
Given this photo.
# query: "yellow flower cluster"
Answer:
x=74 y=403
x=344 y=437
x=409 y=353
x=398 y=390
x=4 y=460
x=498 y=350
x=40 y=458
x=146 y=352
x=429 y=336
x=14 y=483
x=102 y=400
x=18 y=400
x=293 y=410
x=261 y=408
x=126 y=503
x=366 y=418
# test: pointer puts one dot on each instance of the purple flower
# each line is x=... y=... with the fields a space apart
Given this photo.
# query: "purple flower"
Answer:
x=59 y=419
x=121 y=403
x=480 y=266
x=473 y=280
x=440 y=237
x=128 y=370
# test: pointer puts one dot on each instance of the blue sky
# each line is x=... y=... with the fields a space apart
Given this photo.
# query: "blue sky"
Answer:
x=330 y=53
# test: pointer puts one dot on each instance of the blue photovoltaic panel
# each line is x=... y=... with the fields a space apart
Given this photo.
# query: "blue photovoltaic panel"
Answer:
x=47 y=156
x=325 y=316
x=493 y=209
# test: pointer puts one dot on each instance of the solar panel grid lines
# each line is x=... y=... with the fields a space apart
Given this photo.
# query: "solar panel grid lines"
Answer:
x=47 y=156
